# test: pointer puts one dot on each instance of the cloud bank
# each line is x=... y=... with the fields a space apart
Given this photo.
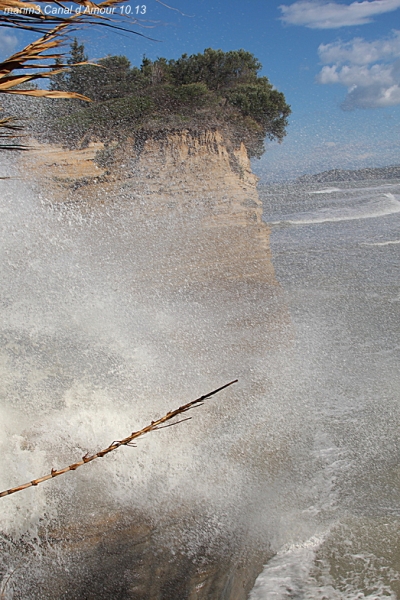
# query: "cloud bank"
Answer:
x=369 y=70
x=360 y=52
x=319 y=14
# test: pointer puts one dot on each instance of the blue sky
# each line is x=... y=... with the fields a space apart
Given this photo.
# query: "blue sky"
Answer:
x=337 y=62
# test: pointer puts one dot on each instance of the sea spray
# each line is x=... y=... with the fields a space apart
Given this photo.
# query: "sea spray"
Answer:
x=108 y=323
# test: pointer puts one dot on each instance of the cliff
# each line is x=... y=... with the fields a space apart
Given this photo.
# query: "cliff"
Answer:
x=180 y=239
x=183 y=175
x=165 y=166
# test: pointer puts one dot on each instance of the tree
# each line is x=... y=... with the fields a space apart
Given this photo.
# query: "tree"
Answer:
x=217 y=69
x=111 y=77
x=217 y=88
x=59 y=80
x=76 y=76
x=262 y=103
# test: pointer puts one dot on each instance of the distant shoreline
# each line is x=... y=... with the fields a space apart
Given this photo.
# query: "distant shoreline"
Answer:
x=391 y=172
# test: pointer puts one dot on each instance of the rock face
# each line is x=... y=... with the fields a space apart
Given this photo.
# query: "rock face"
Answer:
x=184 y=175
x=194 y=254
x=203 y=164
x=120 y=560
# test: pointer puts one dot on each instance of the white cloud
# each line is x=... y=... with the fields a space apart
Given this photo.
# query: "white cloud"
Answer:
x=7 y=43
x=367 y=70
x=360 y=52
x=319 y=14
x=372 y=96
x=352 y=76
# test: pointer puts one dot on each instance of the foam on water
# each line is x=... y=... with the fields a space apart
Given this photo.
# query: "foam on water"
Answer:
x=287 y=575
x=302 y=571
x=327 y=191
x=355 y=190
x=344 y=302
x=388 y=243
x=385 y=205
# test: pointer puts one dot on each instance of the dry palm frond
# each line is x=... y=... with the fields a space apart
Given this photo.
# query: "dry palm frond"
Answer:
x=48 y=94
x=6 y=581
x=8 y=127
x=154 y=426
x=173 y=8
x=32 y=52
x=9 y=123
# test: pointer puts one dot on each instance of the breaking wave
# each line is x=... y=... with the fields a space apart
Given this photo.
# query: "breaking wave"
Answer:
x=388 y=243
x=327 y=191
x=387 y=204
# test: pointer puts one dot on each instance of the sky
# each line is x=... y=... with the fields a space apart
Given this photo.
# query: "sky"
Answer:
x=337 y=62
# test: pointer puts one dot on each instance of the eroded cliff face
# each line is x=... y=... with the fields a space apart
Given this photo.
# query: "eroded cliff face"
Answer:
x=181 y=167
x=166 y=166
x=180 y=240
x=184 y=175
x=198 y=164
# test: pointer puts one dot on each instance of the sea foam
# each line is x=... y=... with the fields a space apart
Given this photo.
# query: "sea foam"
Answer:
x=384 y=205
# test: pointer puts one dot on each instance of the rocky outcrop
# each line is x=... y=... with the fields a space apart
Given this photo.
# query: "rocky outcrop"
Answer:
x=178 y=167
x=170 y=168
x=120 y=559
x=184 y=175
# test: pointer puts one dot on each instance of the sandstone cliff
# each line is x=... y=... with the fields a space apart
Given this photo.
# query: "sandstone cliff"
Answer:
x=166 y=166
x=182 y=174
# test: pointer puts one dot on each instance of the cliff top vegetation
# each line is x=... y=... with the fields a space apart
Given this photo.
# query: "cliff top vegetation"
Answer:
x=210 y=89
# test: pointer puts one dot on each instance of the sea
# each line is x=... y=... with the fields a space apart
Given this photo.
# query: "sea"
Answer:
x=336 y=253
x=309 y=463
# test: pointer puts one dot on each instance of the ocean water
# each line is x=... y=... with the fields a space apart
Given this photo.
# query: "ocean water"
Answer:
x=336 y=251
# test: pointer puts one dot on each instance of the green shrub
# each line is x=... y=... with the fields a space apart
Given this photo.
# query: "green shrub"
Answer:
x=213 y=88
